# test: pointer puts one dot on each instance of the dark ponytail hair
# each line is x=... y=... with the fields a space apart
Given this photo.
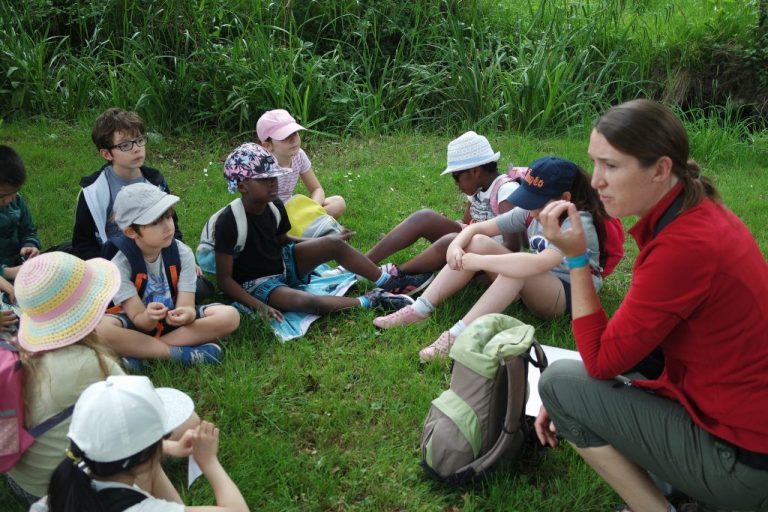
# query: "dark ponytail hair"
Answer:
x=585 y=198
x=648 y=131
x=70 y=487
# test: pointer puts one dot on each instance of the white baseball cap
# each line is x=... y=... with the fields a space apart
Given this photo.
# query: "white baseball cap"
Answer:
x=142 y=204
x=468 y=151
x=118 y=417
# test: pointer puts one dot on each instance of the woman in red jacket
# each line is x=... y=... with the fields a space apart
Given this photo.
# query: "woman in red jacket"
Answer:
x=698 y=293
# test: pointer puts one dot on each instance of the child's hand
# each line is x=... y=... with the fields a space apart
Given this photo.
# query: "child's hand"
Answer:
x=205 y=444
x=156 y=311
x=7 y=288
x=269 y=312
x=454 y=255
x=182 y=447
x=7 y=320
x=472 y=261
x=29 y=252
x=346 y=234
x=181 y=316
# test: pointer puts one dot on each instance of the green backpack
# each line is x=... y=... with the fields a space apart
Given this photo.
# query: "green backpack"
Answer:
x=482 y=416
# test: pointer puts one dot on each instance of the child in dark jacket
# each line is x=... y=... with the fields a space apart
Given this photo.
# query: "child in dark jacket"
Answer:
x=119 y=137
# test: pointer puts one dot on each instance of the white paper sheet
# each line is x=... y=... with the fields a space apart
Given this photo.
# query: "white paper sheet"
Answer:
x=553 y=354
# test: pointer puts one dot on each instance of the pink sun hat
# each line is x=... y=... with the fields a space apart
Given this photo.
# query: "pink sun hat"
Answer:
x=276 y=124
x=62 y=298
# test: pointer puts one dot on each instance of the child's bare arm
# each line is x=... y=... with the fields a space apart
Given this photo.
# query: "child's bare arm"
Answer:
x=518 y=264
x=314 y=188
x=185 y=310
x=144 y=317
x=205 y=448
x=234 y=291
x=467 y=218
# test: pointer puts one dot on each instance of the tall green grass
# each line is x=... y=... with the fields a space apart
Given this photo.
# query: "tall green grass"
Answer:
x=349 y=67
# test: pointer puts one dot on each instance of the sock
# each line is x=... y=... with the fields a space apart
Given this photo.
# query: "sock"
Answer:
x=457 y=328
x=383 y=278
x=423 y=307
x=365 y=302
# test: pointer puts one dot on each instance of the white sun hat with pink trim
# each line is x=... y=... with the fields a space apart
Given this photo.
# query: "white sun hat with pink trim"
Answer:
x=62 y=298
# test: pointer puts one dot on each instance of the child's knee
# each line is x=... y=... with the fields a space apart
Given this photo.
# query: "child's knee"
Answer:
x=335 y=206
x=226 y=317
x=481 y=244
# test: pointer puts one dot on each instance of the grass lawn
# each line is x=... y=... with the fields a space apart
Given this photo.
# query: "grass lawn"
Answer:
x=332 y=421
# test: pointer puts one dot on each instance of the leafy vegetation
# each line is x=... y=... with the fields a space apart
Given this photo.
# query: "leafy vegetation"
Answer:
x=349 y=67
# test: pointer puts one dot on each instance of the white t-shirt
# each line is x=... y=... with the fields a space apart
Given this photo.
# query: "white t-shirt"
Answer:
x=300 y=164
x=157 y=289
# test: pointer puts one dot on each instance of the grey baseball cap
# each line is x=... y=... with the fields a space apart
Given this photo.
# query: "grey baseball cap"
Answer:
x=142 y=204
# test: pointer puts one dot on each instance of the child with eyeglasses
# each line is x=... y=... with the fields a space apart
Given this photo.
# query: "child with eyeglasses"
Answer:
x=120 y=139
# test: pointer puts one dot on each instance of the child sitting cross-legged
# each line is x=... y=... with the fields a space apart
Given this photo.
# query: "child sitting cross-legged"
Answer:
x=265 y=275
x=157 y=316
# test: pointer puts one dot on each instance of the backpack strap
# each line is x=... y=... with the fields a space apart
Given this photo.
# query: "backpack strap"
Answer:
x=118 y=499
x=494 y=194
x=669 y=214
x=238 y=211
x=512 y=431
x=51 y=422
x=276 y=213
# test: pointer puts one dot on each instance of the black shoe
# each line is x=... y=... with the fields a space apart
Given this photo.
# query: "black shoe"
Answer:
x=388 y=301
x=408 y=284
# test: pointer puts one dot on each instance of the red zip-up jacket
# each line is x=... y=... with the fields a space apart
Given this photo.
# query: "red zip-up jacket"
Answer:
x=699 y=291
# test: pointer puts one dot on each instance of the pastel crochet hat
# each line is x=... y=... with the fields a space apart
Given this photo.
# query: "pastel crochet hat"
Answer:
x=468 y=151
x=62 y=298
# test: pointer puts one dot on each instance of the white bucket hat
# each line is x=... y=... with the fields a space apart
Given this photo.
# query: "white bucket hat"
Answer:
x=468 y=151
x=118 y=417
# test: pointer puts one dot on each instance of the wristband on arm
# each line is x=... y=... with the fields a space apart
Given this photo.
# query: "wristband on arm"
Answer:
x=577 y=261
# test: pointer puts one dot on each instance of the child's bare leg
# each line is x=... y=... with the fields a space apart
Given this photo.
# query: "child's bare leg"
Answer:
x=218 y=322
x=285 y=298
x=431 y=259
x=502 y=292
x=335 y=206
x=311 y=253
x=544 y=295
x=421 y=224
x=450 y=281
x=130 y=343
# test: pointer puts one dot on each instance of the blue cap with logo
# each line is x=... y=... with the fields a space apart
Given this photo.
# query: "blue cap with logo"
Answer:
x=548 y=179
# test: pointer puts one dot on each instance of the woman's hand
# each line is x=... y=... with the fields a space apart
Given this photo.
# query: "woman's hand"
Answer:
x=545 y=428
x=572 y=241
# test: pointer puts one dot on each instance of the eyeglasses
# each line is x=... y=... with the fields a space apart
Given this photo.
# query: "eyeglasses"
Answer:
x=128 y=145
